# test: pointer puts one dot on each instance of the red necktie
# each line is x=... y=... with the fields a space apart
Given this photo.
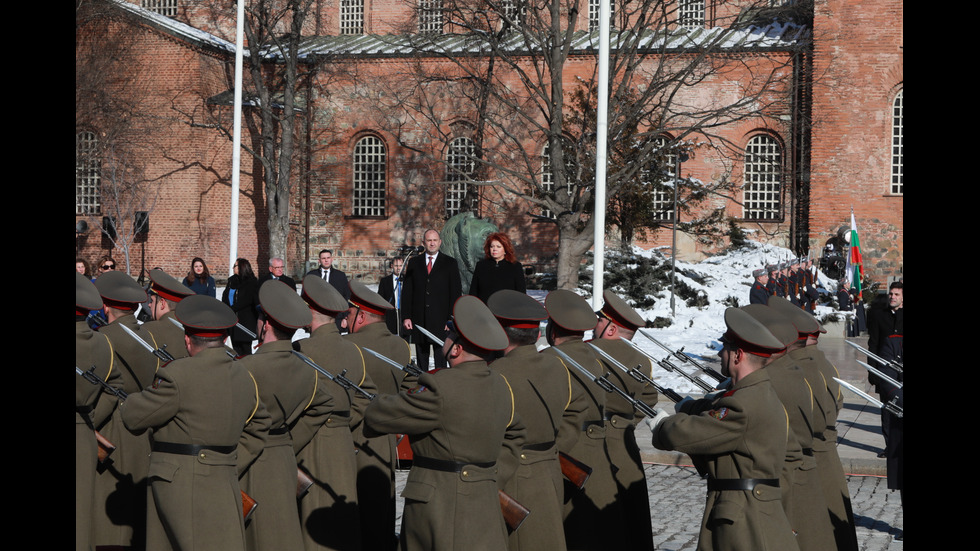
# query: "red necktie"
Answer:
x=428 y=267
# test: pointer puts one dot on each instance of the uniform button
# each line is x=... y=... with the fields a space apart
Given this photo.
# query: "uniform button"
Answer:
x=523 y=456
x=466 y=473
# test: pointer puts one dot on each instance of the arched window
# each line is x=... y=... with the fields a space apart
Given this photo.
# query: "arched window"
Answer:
x=370 y=170
x=594 y=14
x=897 y=183
x=351 y=16
x=763 y=179
x=88 y=174
x=460 y=167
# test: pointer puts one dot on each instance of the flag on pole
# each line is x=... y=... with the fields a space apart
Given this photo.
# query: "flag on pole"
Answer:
x=855 y=267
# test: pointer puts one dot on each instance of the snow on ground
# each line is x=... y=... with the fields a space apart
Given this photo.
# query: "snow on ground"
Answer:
x=696 y=330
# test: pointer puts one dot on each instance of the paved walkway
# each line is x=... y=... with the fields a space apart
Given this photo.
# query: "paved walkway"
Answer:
x=677 y=491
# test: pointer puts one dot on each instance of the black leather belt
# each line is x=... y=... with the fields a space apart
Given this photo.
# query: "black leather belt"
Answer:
x=189 y=449
x=540 y=447
x=445 y=465
x=808 y=451
x=345 y=413
x=280 y=430
x=587 y=424
x=746 y=484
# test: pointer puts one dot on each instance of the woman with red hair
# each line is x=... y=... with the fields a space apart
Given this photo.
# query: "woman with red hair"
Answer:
x=499 y=270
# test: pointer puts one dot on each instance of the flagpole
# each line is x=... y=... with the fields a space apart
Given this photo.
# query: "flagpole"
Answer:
x=236 y=151
x=602 y=122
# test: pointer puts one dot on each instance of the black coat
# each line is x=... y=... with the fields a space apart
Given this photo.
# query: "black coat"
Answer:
x=491 y=276
x=246 y=299
x=428 y=298
x=386 y=288
x=285 y=279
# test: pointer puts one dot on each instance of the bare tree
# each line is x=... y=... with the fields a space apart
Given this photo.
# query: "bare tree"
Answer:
x=116 y=124
x=273 y=100
x=513 y=67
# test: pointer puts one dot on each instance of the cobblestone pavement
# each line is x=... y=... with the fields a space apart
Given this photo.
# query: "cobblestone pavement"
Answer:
x=677 y=503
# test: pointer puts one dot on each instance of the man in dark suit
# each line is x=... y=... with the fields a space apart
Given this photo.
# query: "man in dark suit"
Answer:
x=432 y=285
x=390 y=288
x=277 y=269
x=331 y=275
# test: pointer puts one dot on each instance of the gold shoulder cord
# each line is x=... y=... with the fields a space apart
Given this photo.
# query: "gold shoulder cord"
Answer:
x=364 y=365
x=511 y=390
x=112 y=357
x=316 y=381
x=569 y=382
x=811 y=392
x=256 y=408
x=152 y=338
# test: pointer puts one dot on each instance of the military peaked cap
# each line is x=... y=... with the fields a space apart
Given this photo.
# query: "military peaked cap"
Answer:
x=804 y=322
x=474 y=322
x=569 y=311
x=748 y=334
x=118 y=290
x=86 y=295
x=167 y=287
x=776 y=323
x=616 y=310
x=516 y=309
x=322 y=296
x=368 y=300
x=283 y=306
x=204 y=316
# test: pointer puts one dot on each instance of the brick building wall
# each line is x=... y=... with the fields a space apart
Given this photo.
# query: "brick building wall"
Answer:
x=858 y=72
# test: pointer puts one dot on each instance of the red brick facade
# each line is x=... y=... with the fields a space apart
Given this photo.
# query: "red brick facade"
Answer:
x=857 y=63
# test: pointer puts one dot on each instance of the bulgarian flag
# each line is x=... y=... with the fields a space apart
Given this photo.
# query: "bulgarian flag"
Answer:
x=854 y=265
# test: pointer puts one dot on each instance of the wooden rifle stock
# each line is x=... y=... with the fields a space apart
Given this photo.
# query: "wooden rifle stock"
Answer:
x=514 y=512
x=574 y=470
x=248 y=506
x=303 y=482
x=105 y=447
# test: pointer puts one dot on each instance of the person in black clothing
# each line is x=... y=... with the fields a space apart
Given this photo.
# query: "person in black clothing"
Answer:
x=886 y=339
x=331 y=275
x=277 y=270
x=499 y=270
x=241 y=294
x=390 y=289
x=432 y=285
x=758 y=294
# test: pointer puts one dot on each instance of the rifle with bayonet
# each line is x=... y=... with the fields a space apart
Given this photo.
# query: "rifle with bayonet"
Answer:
x=248 y=503
x=160 y=352
x=341 y=379
x=410 y=369
x=105 y=446
x=669 y=366
x=686 y=358
x=891 y=405
x=897 y=366
x=604 y=383
x=637 y=374
x=880 y=375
